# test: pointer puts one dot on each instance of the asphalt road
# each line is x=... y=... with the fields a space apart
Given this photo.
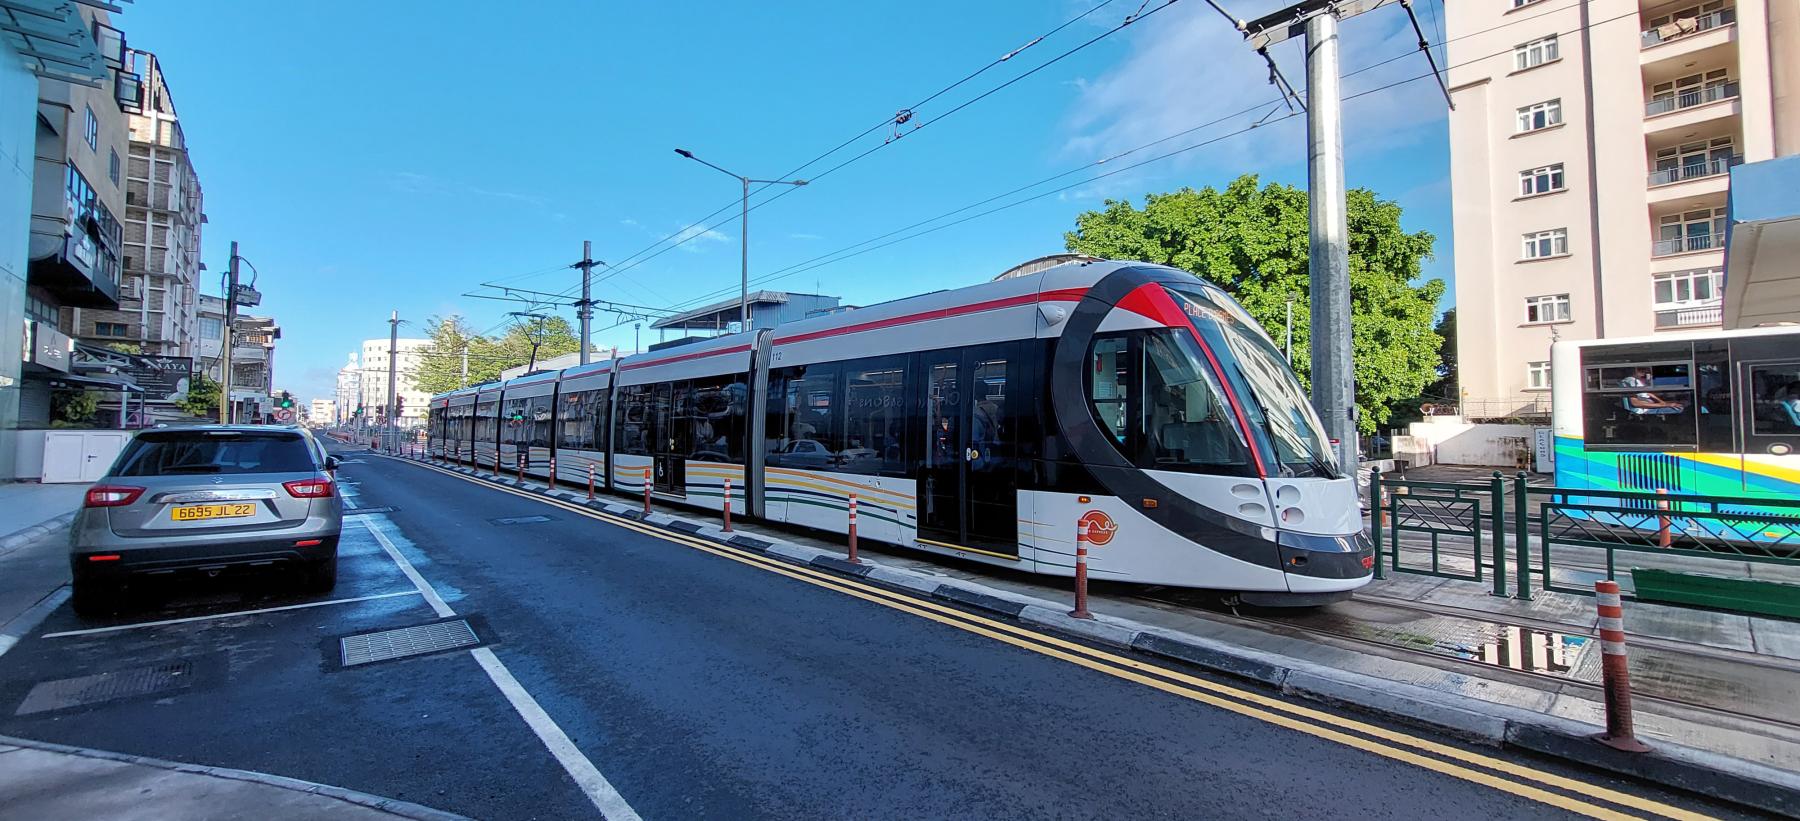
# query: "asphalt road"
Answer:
x=694 y=686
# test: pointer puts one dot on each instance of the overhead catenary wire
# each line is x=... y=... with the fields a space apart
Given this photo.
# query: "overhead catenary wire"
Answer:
x=1425 y=46
x=850 y=251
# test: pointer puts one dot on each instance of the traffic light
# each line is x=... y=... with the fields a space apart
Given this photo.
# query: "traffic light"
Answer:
x=399 y=405
x=286 y=402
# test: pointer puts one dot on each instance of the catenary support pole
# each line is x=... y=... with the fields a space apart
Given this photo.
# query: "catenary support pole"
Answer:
x=1333 y=374
x=585 y=310
x=229 y=337
x=393 y=401
x=1615 y=681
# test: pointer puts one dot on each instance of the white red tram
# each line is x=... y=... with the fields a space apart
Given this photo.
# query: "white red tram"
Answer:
x=982 y=422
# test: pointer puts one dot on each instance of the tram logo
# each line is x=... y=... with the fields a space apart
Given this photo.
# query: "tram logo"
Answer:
x=1100 y=527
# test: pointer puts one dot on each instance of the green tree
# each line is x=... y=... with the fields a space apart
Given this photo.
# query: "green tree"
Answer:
x=125 y=347
x=440 y=368
x=1251 y=240
x=202 y=397
x=73 y=408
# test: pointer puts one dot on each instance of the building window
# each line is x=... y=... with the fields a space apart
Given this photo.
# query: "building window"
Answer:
x=1519 y=4
x=1701 y=230
x=1690 y=91
x=112 y=166
x=1544 y=244
x=1540 y=116
x=1701 y=158
x=212 y=327
x=1535 y=53
x=40 y=310
x=111 y=329
x=93 y=129
x=1541 y=309
x=1537 y=376
x=1541 y=180
x=1680 y=289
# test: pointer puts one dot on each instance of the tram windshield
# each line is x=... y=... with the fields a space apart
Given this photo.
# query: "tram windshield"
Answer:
x=1284 y=411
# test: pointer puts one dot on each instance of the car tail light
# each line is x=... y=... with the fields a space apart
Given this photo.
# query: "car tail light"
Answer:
x=112 y=495
x=318 y=488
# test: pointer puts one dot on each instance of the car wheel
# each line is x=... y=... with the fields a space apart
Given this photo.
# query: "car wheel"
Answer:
x=321 y=576
x=92 y=599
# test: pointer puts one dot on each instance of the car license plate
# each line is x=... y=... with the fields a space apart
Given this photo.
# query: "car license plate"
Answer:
x=193 y=513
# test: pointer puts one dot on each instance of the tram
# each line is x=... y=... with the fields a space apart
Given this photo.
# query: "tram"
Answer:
x=982 y=422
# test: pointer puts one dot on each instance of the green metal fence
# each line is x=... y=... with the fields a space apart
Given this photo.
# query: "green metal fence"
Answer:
x=1525 y=537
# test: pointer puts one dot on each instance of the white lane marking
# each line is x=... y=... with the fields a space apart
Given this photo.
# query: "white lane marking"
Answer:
x=605 y=798
x=302 y=606
x=29 y=620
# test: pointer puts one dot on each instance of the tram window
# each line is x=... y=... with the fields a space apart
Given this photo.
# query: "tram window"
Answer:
x=1775 y=399
x=579 y=420
x=875 y=416
x=1187 y=423
x=1109 y=391
x=630 y=434
x=487 y=420
x=1712 y=400
x=1647 y=404
x=716 y=414
x=811 y=429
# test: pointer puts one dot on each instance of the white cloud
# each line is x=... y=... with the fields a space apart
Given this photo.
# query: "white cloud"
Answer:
x=693 y=237
x=804 y=236
x=1187 y=66
x=412 y=182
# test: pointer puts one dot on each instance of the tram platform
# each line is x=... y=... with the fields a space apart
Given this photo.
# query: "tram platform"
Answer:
x=1713 y=691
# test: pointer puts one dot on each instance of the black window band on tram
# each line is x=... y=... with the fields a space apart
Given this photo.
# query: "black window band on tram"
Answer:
x=1218 y=532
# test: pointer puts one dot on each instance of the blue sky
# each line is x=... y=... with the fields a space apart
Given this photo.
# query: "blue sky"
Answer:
x=370 y=161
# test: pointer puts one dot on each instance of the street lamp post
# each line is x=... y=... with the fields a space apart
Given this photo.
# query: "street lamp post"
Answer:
x=744 y=230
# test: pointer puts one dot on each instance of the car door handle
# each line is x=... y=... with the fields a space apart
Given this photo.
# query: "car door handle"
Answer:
x=971 y=454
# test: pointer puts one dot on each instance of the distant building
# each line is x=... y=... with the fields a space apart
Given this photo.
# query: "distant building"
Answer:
x=349 y=390
x=555 y=363
x=767 y=310
x=253 y=366
x=408 y=356
x=1591 y=150
x=209 y=337
x=322 y=412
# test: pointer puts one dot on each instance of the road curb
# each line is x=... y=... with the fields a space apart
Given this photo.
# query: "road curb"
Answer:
x=26 y=535
x=403 y=809
x=1465 y=717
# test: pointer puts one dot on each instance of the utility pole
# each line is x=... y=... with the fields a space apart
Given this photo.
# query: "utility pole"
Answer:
x=585 y=308
x=230 y=328
x=393 y=404
x=465 y=364
x=1328 y=265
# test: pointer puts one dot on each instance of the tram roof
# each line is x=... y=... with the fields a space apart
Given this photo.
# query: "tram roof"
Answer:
x=1683 y=336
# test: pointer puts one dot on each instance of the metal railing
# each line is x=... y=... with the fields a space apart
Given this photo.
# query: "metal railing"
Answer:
x=1683 y=245
x=1690 y=98
x=1565 y=539
x=1694 y=171
x=1678 y=29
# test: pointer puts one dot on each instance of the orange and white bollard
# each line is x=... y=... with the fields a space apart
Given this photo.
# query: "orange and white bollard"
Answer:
x=1615 y=680
x=646 y=491
x=550 y=483
x=853 y=559
x=1081 y=546
x=590 y=481
x=521 y=468
x=727 y=505
x=496 y=464
x=1663 y=537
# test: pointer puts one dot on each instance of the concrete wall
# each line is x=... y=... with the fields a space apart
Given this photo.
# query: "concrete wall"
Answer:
x=1448 y=440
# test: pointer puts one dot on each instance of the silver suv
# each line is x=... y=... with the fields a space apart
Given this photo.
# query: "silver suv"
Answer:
x=207 y=498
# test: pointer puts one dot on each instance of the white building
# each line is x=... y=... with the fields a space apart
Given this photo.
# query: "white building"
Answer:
x=349 y=391
x=408 y=358
x=323 y=412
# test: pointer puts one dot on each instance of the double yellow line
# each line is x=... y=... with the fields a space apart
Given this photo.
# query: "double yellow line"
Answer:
x=1442 y=758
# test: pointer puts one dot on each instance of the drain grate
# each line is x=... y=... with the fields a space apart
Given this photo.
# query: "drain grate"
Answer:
x=62 y=694
x=369 y=648
x=520 y=520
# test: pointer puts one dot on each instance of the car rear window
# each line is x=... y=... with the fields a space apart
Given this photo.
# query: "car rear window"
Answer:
x=176 y=453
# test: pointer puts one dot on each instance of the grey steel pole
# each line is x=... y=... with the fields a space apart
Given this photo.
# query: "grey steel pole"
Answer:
x=744 y=269
x=393 y=405
x=1290 y=330
x=587 y=268
x=465 y=363
x=1333 y=370
x=226 y=342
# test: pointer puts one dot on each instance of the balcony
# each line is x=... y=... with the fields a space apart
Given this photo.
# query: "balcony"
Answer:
x=1691 y=98
x=1687 y=245
x=1688 y=27
x=1694 y=171
x=1691 y=316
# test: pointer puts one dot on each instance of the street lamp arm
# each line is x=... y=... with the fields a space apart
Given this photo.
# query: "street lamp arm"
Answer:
x=795 y=183
x=690 y=155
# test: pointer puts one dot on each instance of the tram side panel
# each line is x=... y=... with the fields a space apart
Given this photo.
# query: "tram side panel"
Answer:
x=581 y=428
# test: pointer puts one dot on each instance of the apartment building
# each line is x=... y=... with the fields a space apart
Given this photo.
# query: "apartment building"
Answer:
x=349 y=390
x=253 y=366
x=408 y=355
x=1591 y=145
x=160 y=289
x=209 y=336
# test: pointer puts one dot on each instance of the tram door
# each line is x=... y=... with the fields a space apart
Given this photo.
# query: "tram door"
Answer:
x=671 y=436
x=968 y=484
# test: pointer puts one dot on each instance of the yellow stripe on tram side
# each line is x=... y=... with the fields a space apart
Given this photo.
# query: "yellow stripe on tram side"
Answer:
x=1258 y=706
x=784 y=476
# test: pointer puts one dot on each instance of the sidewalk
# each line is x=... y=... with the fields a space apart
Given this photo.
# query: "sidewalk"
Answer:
x=39 y=780
x=34 y=559
x=1718 y=689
